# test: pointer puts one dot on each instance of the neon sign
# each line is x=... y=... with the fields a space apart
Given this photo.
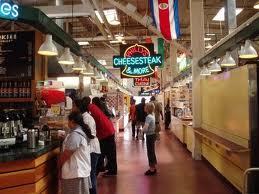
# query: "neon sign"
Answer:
x=9 y=10
x=137 y=60
x=141 y=81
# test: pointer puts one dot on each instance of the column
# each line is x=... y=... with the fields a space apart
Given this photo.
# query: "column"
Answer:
x=173 y=61
x=197 y=44
x=230 y=15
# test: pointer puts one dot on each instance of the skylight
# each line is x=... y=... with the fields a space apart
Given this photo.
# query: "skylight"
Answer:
x=221 y=14
x=111 y=16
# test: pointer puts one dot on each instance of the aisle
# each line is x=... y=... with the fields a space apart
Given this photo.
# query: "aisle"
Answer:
x=178 y=173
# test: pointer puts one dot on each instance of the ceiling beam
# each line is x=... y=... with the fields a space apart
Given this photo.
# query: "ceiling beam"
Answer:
x=139 y=18
x=94 y=17
x=62 y=11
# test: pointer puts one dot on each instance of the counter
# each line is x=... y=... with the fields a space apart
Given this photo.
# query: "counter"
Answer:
x=29 y=171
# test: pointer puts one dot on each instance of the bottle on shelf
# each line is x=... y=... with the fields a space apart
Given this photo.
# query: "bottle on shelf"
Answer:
x=4 y=89
x=10 y=89
x=20 y=88
x=15 y=90
x=1 y=89
x=24 y=90
x=28 y=89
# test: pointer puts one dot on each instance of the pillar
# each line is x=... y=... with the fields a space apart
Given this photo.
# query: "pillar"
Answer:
x=197 y=44
x=230 y=15
x=173 y=61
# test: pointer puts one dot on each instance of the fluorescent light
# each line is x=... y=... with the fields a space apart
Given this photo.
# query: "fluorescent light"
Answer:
x=221 y=14
x=111 y=16
x=207 y=39
x=83 y=43
x=210 y=34
x=102 y=61
x=256 y=5
x=115 y=41
x=208 y=46
x=119 y=36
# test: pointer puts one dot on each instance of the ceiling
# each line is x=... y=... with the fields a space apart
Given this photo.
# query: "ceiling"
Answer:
x=85 y=28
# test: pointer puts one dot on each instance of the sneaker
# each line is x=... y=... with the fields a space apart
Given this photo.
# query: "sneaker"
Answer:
x=150 y=173
x=106 y=174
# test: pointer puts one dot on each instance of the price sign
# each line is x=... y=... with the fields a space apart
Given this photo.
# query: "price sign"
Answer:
x=55 y=109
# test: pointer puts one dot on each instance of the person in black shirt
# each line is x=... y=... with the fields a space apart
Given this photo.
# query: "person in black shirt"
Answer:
x=140 y=115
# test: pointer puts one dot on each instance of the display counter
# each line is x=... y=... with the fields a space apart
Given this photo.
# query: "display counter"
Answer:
x=24 y=170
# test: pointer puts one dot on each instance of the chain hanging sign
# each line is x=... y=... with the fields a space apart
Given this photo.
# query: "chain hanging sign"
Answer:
x=137 y=60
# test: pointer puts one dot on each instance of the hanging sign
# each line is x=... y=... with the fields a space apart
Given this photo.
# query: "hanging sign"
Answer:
x=154 y=88
x=137 y=60
x=141 y=81
x=9 y=10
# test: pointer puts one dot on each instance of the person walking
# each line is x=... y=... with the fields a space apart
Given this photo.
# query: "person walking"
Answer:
x=105 y=132
x=74 y=161
x=140 y=116
x=95 y=150
x=132 y=117
x=167 y=116
x=149 y=129
x=158 y=112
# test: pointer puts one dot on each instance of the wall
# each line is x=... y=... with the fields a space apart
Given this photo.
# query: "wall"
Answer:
x=225 y=105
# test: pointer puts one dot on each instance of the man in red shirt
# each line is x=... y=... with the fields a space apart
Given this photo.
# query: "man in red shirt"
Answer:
x=105 y=132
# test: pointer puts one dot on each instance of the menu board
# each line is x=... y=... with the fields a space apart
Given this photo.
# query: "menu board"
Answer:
x=16 y=54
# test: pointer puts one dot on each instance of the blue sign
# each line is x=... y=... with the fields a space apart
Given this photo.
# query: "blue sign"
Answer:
x=9 y=10
x=137 y=60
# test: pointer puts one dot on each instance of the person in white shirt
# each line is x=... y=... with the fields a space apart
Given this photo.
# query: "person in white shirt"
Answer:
x=75 y=162
x=94 y=143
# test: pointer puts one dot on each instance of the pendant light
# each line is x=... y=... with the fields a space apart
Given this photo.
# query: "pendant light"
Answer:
x=228 y=60
x=215 y=67
x=48 y=48
x=79 y=65
x=66 y=58
x=101 y=77
x=97 y=74
x=248 y=51
x=88 y=70
x=205 y=71
x=256 y=5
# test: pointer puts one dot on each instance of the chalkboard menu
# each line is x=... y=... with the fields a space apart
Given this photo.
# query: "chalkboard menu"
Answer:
x=17 y=54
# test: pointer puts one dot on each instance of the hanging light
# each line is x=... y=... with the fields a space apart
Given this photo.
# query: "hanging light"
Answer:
x=88 y=70
x=97 y=74
x=79 y=65
x=48 y=48
x=248 y=51
x=208 y=46
x=205 y=71
x=228 y=60
x=66 y=58
x=215 y=67
x=256 y=5
x=101 y=77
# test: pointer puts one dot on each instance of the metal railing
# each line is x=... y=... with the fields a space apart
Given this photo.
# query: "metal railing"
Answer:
x=249 y=170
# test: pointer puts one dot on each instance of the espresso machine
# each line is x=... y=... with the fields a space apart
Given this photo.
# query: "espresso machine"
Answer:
x=11 y=128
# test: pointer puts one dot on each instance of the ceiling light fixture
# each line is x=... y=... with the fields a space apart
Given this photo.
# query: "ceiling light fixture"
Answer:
x=256 y=5
x=208 y=46
x=88 y=70
x=210 y=34
x=111 y=16
x=66 y=58
x=228 y=60
x=79 y=65
x=215 y=67
x=248 y=51
x=102 y=61
x=48 y=48
x=83 y=43
x=205 y=71
x=207 y=38
x=220 y=16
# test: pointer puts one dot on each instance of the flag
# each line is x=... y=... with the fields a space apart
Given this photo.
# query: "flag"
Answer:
x=165 y=16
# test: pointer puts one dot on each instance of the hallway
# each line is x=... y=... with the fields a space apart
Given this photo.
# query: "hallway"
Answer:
x=178 y=173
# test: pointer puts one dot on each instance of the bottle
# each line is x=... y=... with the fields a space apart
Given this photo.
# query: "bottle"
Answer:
x=10 y=89
x=1 y=90
x=4 y=89
x=15 y=90
x=24 y=89
x=28 y=89
x=20 y=90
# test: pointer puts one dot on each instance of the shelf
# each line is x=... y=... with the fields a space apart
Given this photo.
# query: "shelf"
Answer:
x=16 y=99
x=224 y=143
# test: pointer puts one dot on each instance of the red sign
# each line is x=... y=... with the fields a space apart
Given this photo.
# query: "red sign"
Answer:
x=142 y=81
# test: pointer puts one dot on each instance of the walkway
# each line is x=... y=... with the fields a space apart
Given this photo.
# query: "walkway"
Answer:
x=178 y=172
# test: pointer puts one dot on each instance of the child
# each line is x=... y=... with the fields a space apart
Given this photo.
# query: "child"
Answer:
x=75 y=159
x=149 y=129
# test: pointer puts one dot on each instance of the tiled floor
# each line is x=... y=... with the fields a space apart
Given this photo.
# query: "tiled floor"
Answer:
x=178 y=172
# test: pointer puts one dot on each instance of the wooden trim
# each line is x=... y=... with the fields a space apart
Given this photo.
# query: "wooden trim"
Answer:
x=224 y=143
x=47 y=156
